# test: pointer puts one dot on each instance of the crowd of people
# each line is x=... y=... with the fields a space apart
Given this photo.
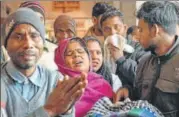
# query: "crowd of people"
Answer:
x=112 y=61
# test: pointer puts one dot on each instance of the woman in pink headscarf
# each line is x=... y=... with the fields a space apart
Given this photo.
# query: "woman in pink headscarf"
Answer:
x=72 y=58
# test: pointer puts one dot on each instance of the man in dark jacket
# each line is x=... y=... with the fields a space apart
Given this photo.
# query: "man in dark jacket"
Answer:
x=157 y=79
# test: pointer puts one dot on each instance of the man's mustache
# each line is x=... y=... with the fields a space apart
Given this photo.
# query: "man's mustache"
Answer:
x=27 y=52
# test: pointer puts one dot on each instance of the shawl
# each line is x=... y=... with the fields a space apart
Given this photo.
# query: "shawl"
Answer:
x=96 y=89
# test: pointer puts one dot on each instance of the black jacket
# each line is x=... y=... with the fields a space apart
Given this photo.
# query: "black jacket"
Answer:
x=157 y=80
x=126 y=70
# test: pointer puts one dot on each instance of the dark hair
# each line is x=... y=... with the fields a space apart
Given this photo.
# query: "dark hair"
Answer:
x=100 y=8
x=162 y=13
x=111 y=13
x=131 y=29
x=176 y=4
x=104 y=69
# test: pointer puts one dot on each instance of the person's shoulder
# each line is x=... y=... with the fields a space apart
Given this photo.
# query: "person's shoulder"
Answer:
x=4 y=76
x=94 y=76
x=3 y=65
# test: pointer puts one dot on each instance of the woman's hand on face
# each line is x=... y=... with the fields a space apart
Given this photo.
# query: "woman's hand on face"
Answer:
x=67 y=92
x=122 y=93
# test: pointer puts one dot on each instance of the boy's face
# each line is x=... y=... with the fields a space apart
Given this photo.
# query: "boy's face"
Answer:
x=113 y=25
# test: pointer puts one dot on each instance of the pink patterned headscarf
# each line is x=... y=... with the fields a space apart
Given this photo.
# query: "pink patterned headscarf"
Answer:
x=97 y=86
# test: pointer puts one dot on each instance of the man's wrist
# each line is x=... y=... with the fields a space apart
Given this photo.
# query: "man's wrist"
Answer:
x=53 y=114
x=50 y=113
x=68 y=112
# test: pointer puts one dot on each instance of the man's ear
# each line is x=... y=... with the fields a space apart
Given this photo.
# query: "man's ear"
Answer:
x=94 y=20
x=154 y=30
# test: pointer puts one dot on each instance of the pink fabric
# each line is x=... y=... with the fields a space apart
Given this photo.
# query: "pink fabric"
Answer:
x=97 y=86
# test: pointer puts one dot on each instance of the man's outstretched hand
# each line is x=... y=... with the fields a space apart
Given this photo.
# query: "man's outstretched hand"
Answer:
x=66 y=93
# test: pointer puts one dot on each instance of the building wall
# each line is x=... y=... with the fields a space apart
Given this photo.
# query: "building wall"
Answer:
x=83 y=16
x=128 y=8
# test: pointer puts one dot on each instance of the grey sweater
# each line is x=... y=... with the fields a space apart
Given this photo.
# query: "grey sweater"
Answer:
x=17 y=106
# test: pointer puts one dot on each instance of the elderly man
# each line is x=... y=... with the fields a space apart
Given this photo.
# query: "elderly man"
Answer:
x=157 y=77
x=64 y=27
x=32 y=90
